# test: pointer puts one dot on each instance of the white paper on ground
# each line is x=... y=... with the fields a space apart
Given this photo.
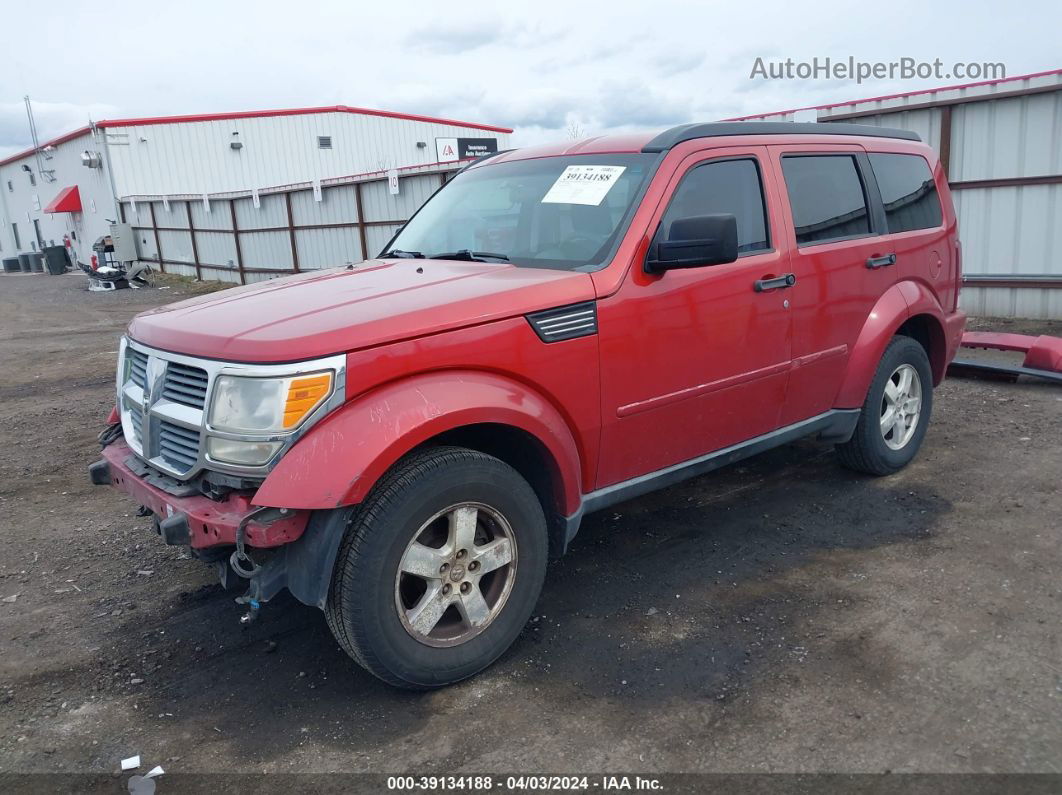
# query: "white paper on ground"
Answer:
x=155 y=771
x=132 y=763
x=583 y=185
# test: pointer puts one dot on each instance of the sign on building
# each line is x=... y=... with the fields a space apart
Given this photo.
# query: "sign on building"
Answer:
x=451 y=149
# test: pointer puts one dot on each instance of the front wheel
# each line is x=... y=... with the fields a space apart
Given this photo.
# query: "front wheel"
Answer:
x=439 y=568
x=894 y=417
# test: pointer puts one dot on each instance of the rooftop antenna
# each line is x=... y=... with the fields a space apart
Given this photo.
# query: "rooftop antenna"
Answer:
x=48 y=174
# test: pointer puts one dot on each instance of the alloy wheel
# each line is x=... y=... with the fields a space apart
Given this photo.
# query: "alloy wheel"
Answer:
x=901 y=406
x=456 y=574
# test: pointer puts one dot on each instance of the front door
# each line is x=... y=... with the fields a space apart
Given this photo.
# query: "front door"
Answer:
x=696 y=360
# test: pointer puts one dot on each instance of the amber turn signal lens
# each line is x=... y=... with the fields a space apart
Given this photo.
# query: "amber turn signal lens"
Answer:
x=304 y=394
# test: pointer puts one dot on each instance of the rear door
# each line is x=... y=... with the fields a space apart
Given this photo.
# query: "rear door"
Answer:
x=915 y=223
x=833 y=224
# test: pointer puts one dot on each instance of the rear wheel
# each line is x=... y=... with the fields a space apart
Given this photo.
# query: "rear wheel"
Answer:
x=439 y=569
x=894 y=417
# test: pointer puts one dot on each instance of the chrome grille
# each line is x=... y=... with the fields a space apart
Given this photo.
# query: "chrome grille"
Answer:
x=163 y=400
x=186 y=385
x=137 y=417
x=162 y=404
x=138 y=367
x=179 y=447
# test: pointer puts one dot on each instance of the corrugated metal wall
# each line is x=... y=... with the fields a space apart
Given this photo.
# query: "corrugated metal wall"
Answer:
x=1011 y=230
x=268 y=242
x=196 y=157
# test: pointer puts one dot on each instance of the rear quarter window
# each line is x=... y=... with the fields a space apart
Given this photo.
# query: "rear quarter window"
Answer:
x=827 y=198
x=907 y=191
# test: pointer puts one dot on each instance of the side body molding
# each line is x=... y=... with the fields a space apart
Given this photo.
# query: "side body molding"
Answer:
x=340 y=459
x=900 y=302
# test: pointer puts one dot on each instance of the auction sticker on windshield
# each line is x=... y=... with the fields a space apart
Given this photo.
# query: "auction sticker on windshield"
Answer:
x=583 y=185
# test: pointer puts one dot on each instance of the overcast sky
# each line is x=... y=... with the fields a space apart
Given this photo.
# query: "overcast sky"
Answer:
x=539 y=67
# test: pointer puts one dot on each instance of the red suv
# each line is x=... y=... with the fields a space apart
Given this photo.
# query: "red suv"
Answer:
x=404 y=442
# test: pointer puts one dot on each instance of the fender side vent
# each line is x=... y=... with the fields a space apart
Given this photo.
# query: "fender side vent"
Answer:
x=565 y=322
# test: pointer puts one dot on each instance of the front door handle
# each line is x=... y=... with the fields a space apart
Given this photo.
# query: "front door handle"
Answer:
x=881 y=262
x=779 y=283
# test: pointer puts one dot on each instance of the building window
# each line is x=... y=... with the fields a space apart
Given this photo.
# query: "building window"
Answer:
x=33 y=179
x=907 y=191
x=324 y=141
x=10 y=187
x=730 y=187
x=827 y=198
x=14 y=231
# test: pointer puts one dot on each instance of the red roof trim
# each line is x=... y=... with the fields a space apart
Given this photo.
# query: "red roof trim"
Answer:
x=253 y=114
x=884 y=97
x=62 y=139
x=68 y=200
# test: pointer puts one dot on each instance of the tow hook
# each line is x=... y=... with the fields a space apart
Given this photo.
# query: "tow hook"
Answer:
x=240 y=561
x=253 y=606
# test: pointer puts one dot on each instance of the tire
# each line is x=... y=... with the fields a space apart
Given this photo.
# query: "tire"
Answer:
x=870 y=450
x=372 y=606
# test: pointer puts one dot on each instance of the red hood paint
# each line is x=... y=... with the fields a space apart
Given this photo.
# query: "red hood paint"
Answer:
x=317 y=314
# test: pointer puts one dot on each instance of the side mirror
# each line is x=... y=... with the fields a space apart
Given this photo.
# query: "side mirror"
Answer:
x=695 y=242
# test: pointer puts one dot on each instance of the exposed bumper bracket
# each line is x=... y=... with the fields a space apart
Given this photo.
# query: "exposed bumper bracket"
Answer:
x=175 y=531
x=100 y=473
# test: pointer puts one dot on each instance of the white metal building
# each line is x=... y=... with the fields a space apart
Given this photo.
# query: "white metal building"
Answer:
x=237 y=196
x=1000 y=143
x=29 y=184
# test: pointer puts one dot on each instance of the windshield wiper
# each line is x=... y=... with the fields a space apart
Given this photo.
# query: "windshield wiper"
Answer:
x=400 y=254
x=471 y=256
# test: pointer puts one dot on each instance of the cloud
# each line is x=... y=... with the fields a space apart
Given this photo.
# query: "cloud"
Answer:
x=450 y=39
x=677 y=63
x=53 y=119
x=534 y=65
x=457 y=38
x=633 y=103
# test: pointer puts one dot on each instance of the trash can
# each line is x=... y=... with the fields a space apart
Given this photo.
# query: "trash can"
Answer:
x=11 y=265
x=56 y=259
x=37 y=261
x=24 y=263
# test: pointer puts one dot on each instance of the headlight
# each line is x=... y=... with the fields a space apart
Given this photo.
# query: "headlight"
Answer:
x=243 y=404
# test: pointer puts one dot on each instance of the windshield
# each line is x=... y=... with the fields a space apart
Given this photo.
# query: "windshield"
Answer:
x=550 y=212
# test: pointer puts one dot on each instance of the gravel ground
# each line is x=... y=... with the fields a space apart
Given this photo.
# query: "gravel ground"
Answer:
x=780 y=615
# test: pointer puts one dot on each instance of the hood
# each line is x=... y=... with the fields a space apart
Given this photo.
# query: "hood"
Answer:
x=317 y=314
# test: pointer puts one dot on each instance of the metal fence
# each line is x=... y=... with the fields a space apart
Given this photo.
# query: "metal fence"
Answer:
x=247 y=238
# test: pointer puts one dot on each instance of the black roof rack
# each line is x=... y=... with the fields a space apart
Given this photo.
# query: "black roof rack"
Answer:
x=688 y=132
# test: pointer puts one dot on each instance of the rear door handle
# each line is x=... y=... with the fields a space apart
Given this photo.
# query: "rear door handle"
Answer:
x=779 y=283
x=881 y=262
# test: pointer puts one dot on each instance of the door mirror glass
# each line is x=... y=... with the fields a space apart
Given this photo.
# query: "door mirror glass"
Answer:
x=695 y=242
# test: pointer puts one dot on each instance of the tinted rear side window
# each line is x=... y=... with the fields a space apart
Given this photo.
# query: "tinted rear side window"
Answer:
x=730 y=187
x=827 y=197
x=907 y=191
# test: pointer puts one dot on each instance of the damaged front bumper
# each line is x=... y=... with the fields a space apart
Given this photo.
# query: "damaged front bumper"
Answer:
x=194 y=519
x=213 y=527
